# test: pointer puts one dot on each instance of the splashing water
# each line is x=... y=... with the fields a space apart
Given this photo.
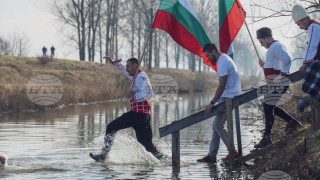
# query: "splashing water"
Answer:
x=127 y=150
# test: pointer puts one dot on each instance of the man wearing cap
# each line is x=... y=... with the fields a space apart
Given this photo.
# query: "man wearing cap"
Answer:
x=311 y=64
x=277 y=65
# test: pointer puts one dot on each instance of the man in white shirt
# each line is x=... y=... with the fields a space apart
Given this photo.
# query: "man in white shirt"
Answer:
x=229 y=87
x=277 y=65
x=138 y=117
x=311 y=63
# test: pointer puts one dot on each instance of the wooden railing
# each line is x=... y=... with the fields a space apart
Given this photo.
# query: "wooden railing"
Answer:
x=234 y=103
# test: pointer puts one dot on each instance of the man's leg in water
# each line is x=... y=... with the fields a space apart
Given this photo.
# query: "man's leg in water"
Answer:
x=144 y=135
x=127 y=120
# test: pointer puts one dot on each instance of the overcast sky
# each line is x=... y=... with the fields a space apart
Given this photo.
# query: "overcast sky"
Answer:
x=34 y=18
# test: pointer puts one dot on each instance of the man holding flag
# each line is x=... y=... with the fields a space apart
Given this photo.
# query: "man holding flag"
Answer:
x=276 y=66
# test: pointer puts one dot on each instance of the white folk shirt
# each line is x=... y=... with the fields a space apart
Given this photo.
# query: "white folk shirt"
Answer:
x=226 y=66
x=277 y=58
x=313 y=43
x=142 y=90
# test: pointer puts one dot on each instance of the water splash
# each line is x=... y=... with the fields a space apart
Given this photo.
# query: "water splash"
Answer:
x=127 y=150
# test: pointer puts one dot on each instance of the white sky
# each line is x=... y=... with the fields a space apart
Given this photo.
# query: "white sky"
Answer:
x=33 y=17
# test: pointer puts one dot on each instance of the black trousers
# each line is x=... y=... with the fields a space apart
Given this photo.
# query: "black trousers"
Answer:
x=140 y=122
x=270 y=111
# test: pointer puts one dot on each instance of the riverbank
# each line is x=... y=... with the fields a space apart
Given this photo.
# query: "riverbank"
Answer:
x=298 y=154
x=83 y=82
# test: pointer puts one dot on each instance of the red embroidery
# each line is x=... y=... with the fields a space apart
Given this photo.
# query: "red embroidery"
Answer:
x=142 y=107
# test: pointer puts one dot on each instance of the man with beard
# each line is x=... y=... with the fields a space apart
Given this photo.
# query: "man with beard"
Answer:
x=229 y=87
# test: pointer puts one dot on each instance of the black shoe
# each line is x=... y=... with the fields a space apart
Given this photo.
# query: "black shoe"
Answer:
x=265 y=141
x=161 y=156
x=98 y=157
x=208 y=159
x=292 y=127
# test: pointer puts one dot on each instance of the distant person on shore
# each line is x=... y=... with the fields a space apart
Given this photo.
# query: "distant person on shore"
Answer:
x=229 y=87
x=52 y=51
x=44 y=52
x=311 y=63
x=3 y=160
x=277 y=65
x=138 y=117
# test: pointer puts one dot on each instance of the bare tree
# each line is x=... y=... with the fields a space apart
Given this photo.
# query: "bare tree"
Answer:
x=4 y=46
x=177 y=54
x=93 y=22
x=15 y=45
x=74 y=13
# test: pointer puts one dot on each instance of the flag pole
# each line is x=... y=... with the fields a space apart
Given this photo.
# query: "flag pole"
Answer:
x=248 y=29
x=144 y=50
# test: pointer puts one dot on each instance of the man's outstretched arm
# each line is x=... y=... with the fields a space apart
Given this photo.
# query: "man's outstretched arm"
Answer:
x=118 y=65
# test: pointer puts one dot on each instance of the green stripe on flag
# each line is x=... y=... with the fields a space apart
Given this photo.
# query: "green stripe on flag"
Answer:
x=224 y=9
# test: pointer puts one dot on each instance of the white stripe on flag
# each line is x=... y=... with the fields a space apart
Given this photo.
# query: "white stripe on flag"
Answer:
x=186 y=4
x=231 y=49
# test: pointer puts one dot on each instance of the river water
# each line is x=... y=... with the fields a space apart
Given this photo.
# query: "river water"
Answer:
x=55 y=144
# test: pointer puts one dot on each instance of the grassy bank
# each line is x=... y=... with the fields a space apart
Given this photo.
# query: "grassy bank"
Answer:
x=297 y=154
x=83 y=82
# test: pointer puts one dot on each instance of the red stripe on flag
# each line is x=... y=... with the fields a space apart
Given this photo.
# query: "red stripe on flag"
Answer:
x=166 y=22
x=230 y=27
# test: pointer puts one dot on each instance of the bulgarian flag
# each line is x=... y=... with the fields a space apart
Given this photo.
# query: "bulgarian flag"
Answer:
x=179 y=20
x=230 y=22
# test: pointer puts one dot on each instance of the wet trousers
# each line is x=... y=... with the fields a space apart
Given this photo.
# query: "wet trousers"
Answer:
x=140 y=122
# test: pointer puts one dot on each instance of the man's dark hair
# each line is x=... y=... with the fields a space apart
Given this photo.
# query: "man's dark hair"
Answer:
x=264 y=32
x=209 y=47
x=133 y=61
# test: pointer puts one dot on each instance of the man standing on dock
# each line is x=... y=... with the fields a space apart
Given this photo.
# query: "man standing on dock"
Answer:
x=277 y=65
x=229 y=87
x=311 y=63
x=138 y=117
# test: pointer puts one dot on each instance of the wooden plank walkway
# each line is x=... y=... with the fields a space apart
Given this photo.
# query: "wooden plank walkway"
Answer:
x=230 y=104
x=201 y=116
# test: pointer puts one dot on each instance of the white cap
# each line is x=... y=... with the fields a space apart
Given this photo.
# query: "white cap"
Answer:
x=298 y=13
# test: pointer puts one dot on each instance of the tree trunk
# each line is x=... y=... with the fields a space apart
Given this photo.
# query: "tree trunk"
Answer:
x=108 y=26
x=177 y=54
x=83 y=32
x=139 y=36
x=150 y=43
x=100 y=41
x=132 y=32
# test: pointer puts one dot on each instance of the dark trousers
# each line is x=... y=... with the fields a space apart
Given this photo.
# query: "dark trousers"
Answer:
x=270 y=111
x=140 y=122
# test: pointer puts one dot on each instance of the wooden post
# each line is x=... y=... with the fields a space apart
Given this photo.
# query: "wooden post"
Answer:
x=230 y=131
x=176 y=149
x=315 y=112
x=238 y=135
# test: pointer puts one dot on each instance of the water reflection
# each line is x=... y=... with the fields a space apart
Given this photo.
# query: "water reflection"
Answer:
x=60 y=140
